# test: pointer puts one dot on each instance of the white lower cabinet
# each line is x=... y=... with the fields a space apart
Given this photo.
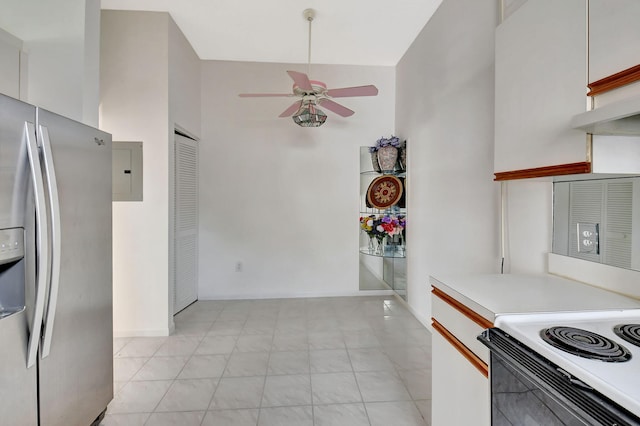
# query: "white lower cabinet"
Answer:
x=460 y=392
x=460 y=385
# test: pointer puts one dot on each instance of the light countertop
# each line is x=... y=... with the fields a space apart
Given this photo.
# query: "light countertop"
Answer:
x=496 y=294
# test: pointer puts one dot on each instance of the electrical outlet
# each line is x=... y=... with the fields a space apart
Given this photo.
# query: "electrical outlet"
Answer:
x=588 y=238
x=238 y=266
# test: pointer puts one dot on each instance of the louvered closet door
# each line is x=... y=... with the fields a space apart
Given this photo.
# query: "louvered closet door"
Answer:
x=618 y=223
x=186 y=223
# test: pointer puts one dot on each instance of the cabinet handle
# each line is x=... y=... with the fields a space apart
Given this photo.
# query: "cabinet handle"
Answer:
x=556 y=170
x=472 y=315
x=619 y=79
x=460 y=347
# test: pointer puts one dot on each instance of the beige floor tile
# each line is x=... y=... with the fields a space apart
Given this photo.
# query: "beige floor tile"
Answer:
x=308 y=361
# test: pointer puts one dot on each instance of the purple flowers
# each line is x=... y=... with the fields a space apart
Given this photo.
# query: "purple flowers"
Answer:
x=383 y=225
x=393 y=141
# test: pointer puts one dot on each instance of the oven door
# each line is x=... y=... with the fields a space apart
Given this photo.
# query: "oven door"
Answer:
x=527 y=389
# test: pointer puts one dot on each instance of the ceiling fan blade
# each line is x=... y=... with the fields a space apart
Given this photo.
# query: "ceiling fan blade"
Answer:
x=266 y=95
x=301 y=80
x=336 y=107
x=369 y=90
x=289 y=111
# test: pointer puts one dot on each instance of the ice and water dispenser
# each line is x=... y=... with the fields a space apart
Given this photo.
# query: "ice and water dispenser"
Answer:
x=12 y=271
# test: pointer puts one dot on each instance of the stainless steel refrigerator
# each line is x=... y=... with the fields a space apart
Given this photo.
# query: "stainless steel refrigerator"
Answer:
x=56 y=347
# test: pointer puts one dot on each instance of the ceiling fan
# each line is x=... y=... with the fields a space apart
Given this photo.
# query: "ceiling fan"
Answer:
x=312 y=93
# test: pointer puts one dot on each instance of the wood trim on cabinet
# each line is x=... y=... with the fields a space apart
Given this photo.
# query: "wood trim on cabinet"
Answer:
x=460 y=347
x=557 y=170
x=464 y=310
x=619 y=79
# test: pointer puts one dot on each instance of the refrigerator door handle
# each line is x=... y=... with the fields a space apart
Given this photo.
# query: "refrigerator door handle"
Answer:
x=42 y=247
x=54 y=214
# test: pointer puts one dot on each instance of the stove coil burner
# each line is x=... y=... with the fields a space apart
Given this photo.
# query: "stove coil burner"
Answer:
x=585 y=344
x=629 y=332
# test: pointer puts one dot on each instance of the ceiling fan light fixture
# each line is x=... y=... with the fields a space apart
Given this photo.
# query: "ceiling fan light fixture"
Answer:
x=311 y=93
x=308 y=115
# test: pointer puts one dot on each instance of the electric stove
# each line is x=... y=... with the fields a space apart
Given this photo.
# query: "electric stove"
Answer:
x=598 y=351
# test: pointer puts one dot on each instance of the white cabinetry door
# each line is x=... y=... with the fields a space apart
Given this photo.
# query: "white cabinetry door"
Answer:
x=614 y=37
x=461 y=393
x=10 y=52
x=541 y=73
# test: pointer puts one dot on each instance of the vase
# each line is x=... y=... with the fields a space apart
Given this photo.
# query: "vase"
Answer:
x=379 y=246
x=372 y=245
x=374 y=161
x=387 y=157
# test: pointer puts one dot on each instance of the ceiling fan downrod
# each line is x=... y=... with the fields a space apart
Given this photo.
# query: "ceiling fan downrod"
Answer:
x=309 y=15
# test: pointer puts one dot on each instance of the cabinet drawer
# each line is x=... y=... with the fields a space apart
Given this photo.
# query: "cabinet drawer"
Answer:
x=461 y=322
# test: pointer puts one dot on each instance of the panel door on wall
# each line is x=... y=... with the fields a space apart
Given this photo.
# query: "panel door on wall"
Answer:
x=185 y=223
x=614 y=36
x=10 y=56
x=541 y=71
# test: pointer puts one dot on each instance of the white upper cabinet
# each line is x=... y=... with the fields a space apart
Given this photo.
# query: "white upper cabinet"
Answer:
x=10 y=53
x=541 y=82
x=614 y=37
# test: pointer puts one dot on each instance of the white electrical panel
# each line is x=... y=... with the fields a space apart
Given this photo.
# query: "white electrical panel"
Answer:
x=127 y=171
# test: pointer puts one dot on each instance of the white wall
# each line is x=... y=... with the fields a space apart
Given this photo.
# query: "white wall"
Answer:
x=444 y=108
x=184 y=83
x=529 y=225
x=135 y=107
x=184 y=113
x=282 y=199
x=150 y=82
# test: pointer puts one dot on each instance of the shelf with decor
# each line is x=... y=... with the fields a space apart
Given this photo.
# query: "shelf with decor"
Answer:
x=383 y=216
x=385 y=235
x=383 y=198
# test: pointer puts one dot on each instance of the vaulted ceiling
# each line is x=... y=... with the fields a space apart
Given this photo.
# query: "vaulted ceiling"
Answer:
x=354 y=32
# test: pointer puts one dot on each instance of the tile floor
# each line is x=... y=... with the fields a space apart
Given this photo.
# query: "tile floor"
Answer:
x=328 y=361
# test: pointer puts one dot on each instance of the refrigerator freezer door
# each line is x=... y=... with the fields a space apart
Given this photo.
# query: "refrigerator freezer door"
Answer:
x=18 y=384
x=18 y=405
x=76 y=378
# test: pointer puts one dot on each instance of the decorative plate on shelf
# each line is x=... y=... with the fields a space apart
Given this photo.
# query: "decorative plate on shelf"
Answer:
x=384 y=192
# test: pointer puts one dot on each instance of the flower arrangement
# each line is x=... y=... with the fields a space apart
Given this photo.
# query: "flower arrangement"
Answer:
x=382 y=142
x=380 y=226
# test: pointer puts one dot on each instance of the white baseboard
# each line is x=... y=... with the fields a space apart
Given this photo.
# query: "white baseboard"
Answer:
x=425 y=321
x=263 y=296
x=141 y=333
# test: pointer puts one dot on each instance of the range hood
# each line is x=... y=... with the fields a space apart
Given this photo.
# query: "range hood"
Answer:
x=616 y=154
x=618 y=118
